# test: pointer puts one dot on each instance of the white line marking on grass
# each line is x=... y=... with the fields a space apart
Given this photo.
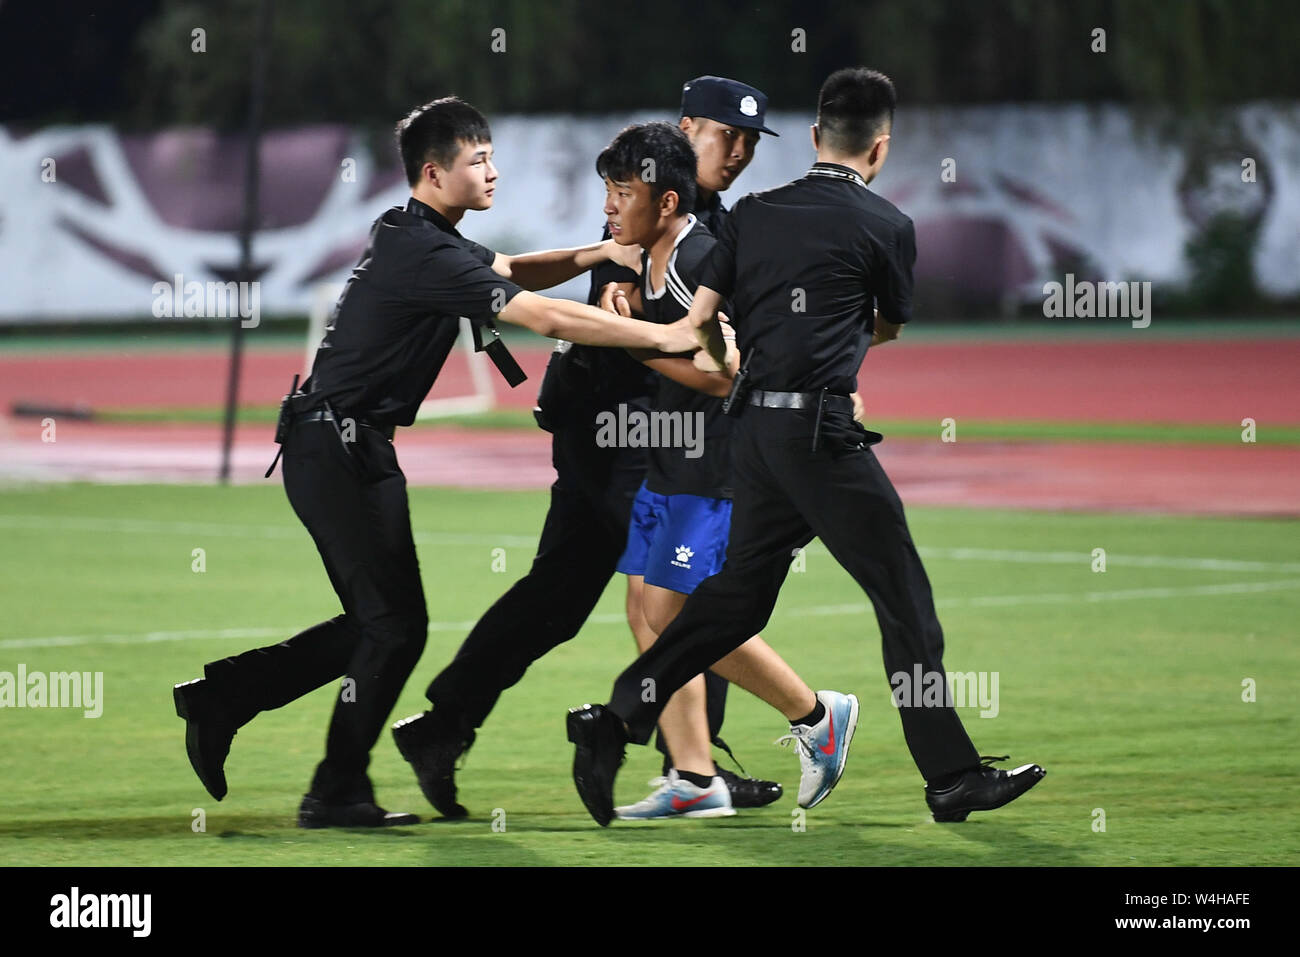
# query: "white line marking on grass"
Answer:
x=1112 y=558
x=1049 y=598
x=42 y=523
x=233 y=530
x=1130 y=594
x=56 y=641
x=192 y=635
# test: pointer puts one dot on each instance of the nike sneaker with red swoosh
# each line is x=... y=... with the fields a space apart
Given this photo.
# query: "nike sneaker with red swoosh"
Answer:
x=676 y=797
x=824 y=747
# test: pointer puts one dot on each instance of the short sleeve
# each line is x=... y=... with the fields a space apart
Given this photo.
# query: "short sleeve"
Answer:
x=894 y=288
x=691 y=258
x=481 y=253
x=718 y=271
x=454 y=280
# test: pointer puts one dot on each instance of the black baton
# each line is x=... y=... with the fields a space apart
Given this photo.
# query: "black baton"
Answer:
x=338 y=427
x=282 y=424
x=738 y=390
x=817 y=423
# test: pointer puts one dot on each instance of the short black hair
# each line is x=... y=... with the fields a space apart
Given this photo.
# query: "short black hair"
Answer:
x=854 y=107
x=436 y=131
x=673 y=160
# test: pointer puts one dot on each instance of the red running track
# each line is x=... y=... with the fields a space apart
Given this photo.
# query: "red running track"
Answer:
x=1207 y=381
x=1257 y=480
x=1203 y=382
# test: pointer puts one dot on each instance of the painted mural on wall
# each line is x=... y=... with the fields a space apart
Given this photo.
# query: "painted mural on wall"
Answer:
x=1005 y=199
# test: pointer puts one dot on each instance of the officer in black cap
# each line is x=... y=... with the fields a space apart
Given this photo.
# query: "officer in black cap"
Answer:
x=390 y=334
x=722 y=118
x=586 y=526
x=802 y=265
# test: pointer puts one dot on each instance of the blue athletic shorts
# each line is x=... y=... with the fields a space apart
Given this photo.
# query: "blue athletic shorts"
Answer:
x=676 y=541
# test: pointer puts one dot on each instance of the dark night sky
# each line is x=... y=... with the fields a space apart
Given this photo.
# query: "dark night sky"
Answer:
x=63 y=59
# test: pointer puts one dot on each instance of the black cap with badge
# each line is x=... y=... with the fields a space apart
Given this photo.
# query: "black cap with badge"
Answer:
x=727 y=101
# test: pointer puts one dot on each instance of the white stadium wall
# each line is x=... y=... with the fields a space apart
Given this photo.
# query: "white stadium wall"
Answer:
x=1005 y=198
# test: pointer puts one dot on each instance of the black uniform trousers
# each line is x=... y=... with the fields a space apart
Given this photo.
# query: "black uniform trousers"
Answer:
x=352 y=499
x=584 y=535
x=784 y=495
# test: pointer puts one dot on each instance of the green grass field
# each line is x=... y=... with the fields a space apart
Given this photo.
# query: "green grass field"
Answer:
x=1126 y=685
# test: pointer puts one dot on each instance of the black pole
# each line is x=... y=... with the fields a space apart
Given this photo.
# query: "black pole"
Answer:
x=248 y=224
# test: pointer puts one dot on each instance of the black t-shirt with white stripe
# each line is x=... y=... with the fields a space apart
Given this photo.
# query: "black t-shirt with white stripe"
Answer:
x=672 y=470
x=584 y=380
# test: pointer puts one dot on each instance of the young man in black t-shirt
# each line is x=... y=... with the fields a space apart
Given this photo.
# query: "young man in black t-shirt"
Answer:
x=586 y=524
x=383 y=348
x=682 y=512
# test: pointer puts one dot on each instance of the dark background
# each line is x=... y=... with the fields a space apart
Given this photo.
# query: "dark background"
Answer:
x=1180 y=67
x=365 y=61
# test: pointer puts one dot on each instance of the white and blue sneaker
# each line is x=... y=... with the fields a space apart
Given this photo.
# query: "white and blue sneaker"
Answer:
x=824 y=747
x=676 y=797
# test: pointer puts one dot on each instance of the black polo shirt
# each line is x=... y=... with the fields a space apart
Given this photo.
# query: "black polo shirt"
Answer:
x=803 y=265
x=587 y=379
x=399 y=314
x=710 y=212
x=672 y=471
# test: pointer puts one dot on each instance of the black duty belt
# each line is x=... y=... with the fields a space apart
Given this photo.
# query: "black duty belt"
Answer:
x=799 y=400
x=821 y=401
x=308 y=407
x=325 y=415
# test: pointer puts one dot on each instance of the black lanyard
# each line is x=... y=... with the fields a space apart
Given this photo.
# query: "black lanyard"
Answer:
x=839 y=172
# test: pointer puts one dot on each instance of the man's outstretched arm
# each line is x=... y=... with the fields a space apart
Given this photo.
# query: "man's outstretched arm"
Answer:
x=542 y=270
x=680 y=369
x=587 y=325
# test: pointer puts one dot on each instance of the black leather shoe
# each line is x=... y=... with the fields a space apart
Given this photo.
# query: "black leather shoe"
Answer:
x=208 y=733
x=982 y=789
x=600 y=739
x=314 y=813
x=432 y=748
x=748 y=792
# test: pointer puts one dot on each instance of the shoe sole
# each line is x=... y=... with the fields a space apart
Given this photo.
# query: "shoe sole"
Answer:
x=587 y=790
x=956 y=817
x=847 y=737
x=192 y=739
x=452 y=811
x=710 y=812
x=317 y=824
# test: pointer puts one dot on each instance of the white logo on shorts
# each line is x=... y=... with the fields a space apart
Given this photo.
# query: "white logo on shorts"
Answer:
x=749 y=106
x=684 y=556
